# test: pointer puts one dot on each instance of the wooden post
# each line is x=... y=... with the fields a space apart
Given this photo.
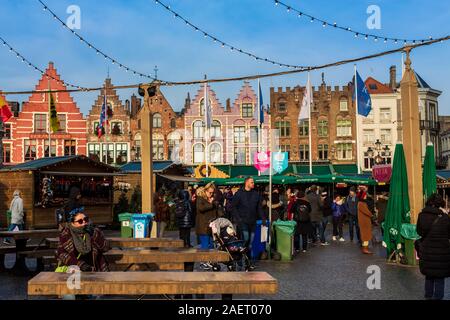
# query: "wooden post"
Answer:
x=147 y=154
x=411 y=137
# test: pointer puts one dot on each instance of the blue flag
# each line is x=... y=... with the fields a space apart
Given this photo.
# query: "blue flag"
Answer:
x=259 y=117
x=364 y=101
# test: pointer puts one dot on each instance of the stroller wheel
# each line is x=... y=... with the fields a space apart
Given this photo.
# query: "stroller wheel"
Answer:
x=216 y=267
x=231 y=267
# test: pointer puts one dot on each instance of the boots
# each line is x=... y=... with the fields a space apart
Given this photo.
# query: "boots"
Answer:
x=365 y=250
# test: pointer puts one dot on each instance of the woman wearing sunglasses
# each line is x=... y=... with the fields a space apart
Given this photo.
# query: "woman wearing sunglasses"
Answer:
x=81 y=244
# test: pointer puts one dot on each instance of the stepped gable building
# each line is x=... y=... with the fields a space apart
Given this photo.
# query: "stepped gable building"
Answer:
x=332 y=124
x=232 y=138
x=114 y=146
x=167 y=128
x=27 y=133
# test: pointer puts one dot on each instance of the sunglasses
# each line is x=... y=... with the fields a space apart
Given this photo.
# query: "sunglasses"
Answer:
x=80 y=221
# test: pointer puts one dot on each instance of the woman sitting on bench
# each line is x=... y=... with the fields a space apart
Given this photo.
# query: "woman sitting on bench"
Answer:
x=81 y=244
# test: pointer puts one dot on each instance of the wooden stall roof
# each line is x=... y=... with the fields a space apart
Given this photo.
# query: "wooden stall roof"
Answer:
x=62 y=164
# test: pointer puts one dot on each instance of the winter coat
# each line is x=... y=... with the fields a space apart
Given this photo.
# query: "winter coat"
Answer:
x=228 y=204
x=351 y=206
x=183 y=210
x=247 y=207
x=67 y=254
x=16 y=209
x=364 y=220
x=302 y=216
x=434 y=249
x=206 y=212
x=162 y=210
x=338 y=210
x=316 y=206
x=381 y=207
x=327 y=204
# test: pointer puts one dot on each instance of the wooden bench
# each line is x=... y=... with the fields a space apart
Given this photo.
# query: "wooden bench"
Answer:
x=130 y=243
x=155 y=283
x=175 y=258
x=12 y=249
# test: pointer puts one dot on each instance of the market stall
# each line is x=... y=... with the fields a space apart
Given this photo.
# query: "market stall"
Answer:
x=46 y=184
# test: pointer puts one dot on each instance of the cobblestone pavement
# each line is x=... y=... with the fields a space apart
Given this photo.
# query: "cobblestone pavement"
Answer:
x=337 y=271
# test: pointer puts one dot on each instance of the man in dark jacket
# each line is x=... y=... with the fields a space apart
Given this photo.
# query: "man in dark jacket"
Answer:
x=327 y=214
x=351 y=207
x=316 y=213
x=433 y=225
x=247 y=208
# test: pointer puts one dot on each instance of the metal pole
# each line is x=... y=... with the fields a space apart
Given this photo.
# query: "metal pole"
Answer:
x=358 y=158
x=310 y=127
x=49 y=126
x=205 y=106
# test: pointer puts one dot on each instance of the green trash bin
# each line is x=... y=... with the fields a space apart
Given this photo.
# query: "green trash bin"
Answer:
x=409 y=234
x=126 y=226
x=8 y=217
x=284 y=232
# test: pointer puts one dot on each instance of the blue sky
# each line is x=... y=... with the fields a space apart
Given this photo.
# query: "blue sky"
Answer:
x=141 y=34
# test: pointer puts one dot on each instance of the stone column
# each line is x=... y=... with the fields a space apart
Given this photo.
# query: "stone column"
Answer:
x=411 y=137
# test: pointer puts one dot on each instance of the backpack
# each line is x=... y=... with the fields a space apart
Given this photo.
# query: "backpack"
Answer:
x=301 y=213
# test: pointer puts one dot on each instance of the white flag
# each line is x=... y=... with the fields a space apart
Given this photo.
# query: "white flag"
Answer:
x=207 y=108
x=306 y=103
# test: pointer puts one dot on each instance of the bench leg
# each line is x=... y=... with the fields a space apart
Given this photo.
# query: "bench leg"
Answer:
x=189 y=266
x=40 y=264
x=20 y=267
x=227 y=297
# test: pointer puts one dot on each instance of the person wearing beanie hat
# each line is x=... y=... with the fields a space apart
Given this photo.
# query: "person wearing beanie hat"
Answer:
x=351 y=207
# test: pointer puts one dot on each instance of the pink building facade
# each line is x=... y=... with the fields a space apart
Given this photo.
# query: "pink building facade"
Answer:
x=233 y=136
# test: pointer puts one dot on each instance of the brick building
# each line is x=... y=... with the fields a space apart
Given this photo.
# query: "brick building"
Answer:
x=27 y=132
x=114 y=146
x=167 y=127
x=233 y=134
x=332 y=123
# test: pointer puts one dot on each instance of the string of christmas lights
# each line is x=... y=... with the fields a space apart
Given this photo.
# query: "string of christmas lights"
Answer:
x=96 y=49
x=356 y=34
x=225 y=44
x=407 y=48
x=36 y=68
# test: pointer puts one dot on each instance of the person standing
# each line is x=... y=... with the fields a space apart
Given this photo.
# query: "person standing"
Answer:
x=228 y=196
x=206 y=212
x=184 y=216
x=301 y=214
x=327 y=203
x=351 y=208
x=162 y=214
x=433 y=225
x=365 y=222
x=338 y=218
x=17 y=215
x=316 y=214
x=247 y=209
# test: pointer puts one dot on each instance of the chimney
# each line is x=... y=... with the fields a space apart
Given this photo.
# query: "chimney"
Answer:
x=187 y=101
x=15 y=108
x=135 y=105
x=392 y=79
x=127 y=105
x=228 y=105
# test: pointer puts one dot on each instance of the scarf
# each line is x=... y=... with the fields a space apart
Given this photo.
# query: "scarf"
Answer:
x=83 y=246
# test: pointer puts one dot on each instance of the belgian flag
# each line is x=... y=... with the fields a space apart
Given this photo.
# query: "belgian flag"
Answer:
x=54 y=123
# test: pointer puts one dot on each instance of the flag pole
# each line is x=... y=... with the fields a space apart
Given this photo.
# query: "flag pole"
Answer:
x=310 y=127
x=259 y=122
x=205 y=104
x=49 y=126
x=358 y=158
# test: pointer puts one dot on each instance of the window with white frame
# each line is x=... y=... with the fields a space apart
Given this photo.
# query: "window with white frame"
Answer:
x=198 y=129
x=29 y=150
x=94 y=151
x=7 y=131
x=215 y=130
x=343 y=104
x=368 y=136
x=303 y=128
x=158 y=148
x=284 y=127
x=303 y=152
x=240 y=155
x=344 y=151
x=52 y=149
x=247 y=110
x=198 y=153
x=157 y=120
x=253 y=134
x=239 y=134
x=121 y=153
x=40 y=123
x=344 y=128
x=385 y=115
x=385 y=135
x=323 y=151
x=215 y=153
x=322 y=128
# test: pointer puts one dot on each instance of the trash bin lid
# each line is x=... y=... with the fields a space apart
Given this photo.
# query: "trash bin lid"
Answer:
x=285 y=226
x=125 y=216
x=408 y=231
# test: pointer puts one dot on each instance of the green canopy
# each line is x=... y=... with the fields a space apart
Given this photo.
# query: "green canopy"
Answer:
x=429 y=172
x=397 y=209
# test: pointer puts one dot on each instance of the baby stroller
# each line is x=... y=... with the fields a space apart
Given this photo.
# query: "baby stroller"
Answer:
x=226 y=240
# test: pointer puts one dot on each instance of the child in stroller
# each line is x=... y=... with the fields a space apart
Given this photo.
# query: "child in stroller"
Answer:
x=226 y=240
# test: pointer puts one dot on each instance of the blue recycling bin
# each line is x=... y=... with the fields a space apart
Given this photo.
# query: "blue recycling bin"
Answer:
x=142 y=225
x=258 y=246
